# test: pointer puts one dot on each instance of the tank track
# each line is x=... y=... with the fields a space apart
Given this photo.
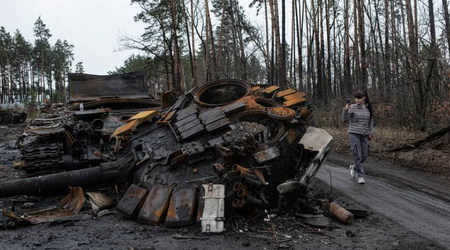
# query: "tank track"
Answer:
x=42 y=159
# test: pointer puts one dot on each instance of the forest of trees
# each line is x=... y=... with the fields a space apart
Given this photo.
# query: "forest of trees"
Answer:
x=397 y=50
x=33 y=72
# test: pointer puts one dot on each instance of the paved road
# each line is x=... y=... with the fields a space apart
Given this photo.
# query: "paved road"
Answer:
x=417 y=211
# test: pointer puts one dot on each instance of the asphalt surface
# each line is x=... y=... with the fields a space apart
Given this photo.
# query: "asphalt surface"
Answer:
x=397 y=195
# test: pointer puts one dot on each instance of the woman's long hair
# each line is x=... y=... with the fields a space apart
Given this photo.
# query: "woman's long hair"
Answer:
x=362 y=93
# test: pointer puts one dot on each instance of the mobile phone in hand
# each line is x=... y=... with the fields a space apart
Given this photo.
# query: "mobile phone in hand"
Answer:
x=347 y=100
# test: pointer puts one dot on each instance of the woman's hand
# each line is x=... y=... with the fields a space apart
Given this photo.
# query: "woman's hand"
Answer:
x=370 y=137
x=348 y=106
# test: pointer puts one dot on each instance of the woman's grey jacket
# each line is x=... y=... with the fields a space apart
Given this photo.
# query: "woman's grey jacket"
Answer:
x=360 y=121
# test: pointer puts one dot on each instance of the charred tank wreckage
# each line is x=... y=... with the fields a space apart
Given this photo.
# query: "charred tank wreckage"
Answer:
x=222 y=148
x=12 y=113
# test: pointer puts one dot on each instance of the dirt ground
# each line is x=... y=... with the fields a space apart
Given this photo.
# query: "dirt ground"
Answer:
x=285 y=229
x=394 y=146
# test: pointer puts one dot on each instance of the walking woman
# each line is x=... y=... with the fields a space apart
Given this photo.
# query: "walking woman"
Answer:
x=360 y=131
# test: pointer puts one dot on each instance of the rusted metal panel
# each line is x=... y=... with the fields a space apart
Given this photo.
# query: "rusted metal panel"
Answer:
x=132 y=201
x=85 y=87
x=256 y=88
x=145 y=116
x=295 y=101
x=126 y=129
x=266 y=155
x=193 y=132
x=285 y=93
x=182 y=204
x=218 y=125
x=296 y=95
x=270 y=90
x=234 y=108
x=167 y=117
x=155 y=206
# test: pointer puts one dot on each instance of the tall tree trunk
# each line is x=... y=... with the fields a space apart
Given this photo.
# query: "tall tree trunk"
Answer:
x=222 y=26
x=243 y=59
x=269 y=63
x=447 y=22
x=323 y=81
x=417 y=85
x=300 y=44
x=276 y=30
x=328 y=92
x=211 y=37
x=191 y=55
x=362 y=44
x=315 y=17
x=283 y=82
x=387 y=52
x=292 y=67
x=176 y=54
x=194 y=76
x=347 y=72
x=356 y=55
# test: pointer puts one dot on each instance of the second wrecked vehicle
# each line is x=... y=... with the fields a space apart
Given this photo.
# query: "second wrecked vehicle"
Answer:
x=72 y=137
x=12 y=113
x=221 y=148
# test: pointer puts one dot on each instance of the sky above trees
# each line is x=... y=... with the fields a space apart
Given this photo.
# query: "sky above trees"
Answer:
x=91 y=26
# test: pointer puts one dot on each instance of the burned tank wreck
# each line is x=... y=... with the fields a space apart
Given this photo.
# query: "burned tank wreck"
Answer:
x=65 y=138
x=222 y=148
x=12 y=113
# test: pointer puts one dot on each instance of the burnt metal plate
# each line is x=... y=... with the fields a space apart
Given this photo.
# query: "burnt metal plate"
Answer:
x=155 y=206
x=212 y=117
x=211 y=112
x=215 y=141
x=186 y=112
x=266 y=155
x=193 y=148
x=217 y=125
x=85 y=87
x=193 y=132
x=132 y=201
x=234 y=108
x=185 y=120
x=182 y=206
x=188 y=126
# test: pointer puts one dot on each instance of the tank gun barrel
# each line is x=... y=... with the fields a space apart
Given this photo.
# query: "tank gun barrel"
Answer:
x=105 y=173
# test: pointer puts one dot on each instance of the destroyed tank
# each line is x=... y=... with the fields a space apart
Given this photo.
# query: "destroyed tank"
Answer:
x=65 y=137
x=224 y=147
x=12 y=113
